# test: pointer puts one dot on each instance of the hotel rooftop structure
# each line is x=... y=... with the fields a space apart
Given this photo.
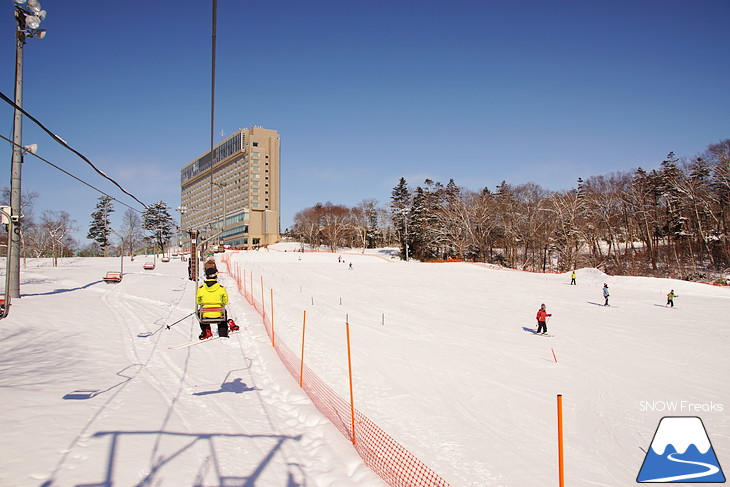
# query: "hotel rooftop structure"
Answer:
x=235 y=192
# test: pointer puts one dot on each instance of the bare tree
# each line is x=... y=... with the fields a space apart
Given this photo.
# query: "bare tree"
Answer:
x=58 y=226
x=336 y=225
x=365 y=224
x=132 y=230
x=566 y=208
x=307 y=225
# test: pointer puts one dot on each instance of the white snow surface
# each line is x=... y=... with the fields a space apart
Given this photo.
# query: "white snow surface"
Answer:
x=443 y=355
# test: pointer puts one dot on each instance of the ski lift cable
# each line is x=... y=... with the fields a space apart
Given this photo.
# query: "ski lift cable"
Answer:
x=63 y=143
x=75 y=177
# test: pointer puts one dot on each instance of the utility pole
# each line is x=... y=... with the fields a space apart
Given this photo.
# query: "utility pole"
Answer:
x=28 y=20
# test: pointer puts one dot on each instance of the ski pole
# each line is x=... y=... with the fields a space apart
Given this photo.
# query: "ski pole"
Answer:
x=178 y=321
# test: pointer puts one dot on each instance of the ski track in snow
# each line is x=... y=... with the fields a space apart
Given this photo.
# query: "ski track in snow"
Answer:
x=441 y=362
x=223 y=418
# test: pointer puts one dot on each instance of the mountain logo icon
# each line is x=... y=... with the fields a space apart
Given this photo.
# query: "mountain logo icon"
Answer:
x=681 y=452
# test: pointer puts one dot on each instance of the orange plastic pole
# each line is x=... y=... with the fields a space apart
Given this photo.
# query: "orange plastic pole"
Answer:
x=556 y=358
x=273 y=333
x=263 y=308
x=349 y=366
x=561 y=470
x=301 y=366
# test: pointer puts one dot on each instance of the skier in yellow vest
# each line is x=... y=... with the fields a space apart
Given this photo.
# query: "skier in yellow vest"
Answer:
x=213 y=296
x=670 y=298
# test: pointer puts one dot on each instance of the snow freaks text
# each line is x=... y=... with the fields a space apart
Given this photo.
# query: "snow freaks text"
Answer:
x=684 y=407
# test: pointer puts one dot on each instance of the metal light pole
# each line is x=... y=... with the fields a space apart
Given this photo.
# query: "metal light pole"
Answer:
x=222 y=186
x=29 y=19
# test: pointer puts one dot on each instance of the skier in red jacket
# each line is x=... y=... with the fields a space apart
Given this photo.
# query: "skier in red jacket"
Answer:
x=541 y=319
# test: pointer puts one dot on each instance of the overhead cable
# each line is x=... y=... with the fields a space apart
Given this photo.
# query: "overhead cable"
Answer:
x=63 y=143
x=69 y=174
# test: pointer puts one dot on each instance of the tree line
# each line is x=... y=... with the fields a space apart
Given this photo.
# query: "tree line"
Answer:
x=155 y=219
x=51 y=234
x=671 y=221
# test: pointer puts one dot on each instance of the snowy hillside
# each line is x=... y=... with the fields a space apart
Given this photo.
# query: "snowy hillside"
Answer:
x=444 y=360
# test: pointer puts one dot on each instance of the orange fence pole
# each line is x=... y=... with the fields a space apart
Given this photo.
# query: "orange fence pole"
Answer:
x=273 y=334
x=561 y=470
x=301 y=366
x=349 y=366
x=263 y=308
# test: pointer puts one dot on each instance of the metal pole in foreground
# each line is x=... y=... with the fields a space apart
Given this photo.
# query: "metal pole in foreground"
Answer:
x=28 y=18
x=15 y=171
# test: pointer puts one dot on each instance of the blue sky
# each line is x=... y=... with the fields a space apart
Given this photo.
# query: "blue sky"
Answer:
x=366 y=92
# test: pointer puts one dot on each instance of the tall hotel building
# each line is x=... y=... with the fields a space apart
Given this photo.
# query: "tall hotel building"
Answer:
x=245 y=187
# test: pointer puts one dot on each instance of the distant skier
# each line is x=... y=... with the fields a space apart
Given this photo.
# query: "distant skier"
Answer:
x=350 y=268
x=572 y=279
x=542 y=315
x=605 y=293
x=670 y=298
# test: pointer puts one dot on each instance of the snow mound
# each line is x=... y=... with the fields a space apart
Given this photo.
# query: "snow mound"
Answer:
x=590 y=272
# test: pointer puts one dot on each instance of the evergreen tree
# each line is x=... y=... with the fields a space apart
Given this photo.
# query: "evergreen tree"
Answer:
x=99 y=229
x=157 y=219
x=418 y=226
x=374 y=235
x=400 y=203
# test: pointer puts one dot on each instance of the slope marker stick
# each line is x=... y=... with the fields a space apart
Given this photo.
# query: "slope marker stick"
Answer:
x=349 y=366
x=301 y=366
x=561 y=470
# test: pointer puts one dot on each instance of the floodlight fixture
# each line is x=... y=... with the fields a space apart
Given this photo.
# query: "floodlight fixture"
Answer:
x=32 y=22
x=31 y=148
x=34 y=6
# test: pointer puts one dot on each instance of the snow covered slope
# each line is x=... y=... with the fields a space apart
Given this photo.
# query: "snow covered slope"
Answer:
x=444 y=360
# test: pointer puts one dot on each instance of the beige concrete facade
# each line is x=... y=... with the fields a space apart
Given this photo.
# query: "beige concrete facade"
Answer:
x=244 y=184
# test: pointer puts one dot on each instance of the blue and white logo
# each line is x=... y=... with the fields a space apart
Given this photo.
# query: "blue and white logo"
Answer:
x=681 y=452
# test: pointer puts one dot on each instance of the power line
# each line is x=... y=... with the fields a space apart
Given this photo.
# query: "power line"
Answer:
x=63 y=143
x=75 y=177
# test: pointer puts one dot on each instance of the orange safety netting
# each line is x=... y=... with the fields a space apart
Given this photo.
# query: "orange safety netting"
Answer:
x=384 y=455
